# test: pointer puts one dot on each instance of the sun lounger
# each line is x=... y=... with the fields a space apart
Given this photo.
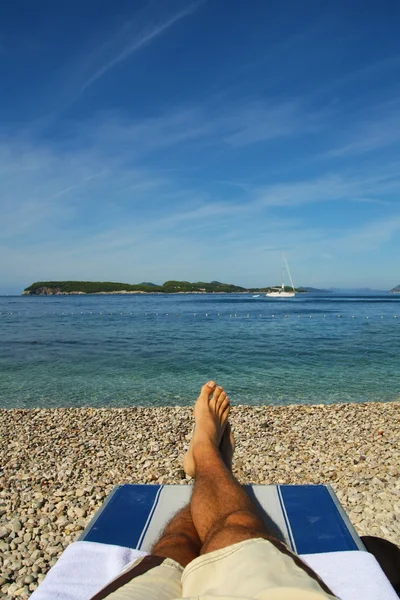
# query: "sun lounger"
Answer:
x=309 y=518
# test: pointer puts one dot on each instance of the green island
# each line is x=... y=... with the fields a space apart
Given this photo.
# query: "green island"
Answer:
x=49 y=288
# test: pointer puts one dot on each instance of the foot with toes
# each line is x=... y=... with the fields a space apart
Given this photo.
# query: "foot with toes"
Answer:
x=211 y=413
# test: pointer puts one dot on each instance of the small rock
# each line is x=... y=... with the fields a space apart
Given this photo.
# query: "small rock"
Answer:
x=16 y=525
x=53 y=550
x=20 y=591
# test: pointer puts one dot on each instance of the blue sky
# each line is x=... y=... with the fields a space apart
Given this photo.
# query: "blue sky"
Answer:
x=154 y=140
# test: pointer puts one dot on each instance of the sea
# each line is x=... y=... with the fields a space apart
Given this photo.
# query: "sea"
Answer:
x=157 y=350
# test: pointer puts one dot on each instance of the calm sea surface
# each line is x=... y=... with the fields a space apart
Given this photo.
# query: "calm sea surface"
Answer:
x=157 y=350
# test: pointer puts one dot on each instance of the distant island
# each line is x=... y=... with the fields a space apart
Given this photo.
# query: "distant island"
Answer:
x=395 y=290
x=49 y=288
x=314 y=290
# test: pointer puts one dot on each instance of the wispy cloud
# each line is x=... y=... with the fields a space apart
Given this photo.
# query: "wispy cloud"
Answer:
x=329 y=187
x=130 y=39
x=44 y=185
x=370 y=235
x=258 y=122
x=373 y=128
x=212 y=124
x=356 y=76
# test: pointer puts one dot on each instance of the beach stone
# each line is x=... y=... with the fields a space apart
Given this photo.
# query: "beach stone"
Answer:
x=11 y=589
x=80 y=512
x=16 y=525
x=21 y=591
x=53 y=550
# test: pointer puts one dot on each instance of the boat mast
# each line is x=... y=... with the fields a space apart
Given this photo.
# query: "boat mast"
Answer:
x=288 y=270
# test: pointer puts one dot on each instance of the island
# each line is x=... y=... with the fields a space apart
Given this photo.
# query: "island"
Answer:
x=50 y=288
x=395 y=290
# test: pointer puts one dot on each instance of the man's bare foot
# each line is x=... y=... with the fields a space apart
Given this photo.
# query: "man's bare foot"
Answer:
x=227 y=446
x=211 y=413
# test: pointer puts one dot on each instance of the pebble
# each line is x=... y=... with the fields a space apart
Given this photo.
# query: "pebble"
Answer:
x=59 y=465
x=16 y=525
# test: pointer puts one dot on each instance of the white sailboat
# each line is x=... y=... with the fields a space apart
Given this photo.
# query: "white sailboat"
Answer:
x=280 y=292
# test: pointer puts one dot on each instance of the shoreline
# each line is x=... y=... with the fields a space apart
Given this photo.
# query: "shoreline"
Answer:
x=127 y=293
x=60 y=464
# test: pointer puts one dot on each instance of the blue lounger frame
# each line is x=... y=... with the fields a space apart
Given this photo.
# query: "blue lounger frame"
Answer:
x=309 y=518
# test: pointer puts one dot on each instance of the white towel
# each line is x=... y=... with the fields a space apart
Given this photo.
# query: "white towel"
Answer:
x=352 y=575
x=84 y=568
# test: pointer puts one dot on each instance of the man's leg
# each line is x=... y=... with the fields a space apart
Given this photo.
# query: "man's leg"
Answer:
x=179 y=540
x=156 y=577
x=222 y=512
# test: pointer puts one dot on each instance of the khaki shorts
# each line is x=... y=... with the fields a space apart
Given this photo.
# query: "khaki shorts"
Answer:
x=253 y=569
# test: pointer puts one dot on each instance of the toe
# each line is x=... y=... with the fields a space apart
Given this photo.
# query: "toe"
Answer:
x=214 y=402
x=207 y=389
x=225 y=409
x=225 y=415
x=221 y=402
x=224 y=403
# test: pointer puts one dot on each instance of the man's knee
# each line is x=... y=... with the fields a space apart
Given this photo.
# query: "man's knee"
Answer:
x=178 y=546
x=234 y=527
x=173 y=539
x=242 y=519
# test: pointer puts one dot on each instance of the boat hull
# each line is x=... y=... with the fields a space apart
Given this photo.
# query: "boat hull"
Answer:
x=280 y=294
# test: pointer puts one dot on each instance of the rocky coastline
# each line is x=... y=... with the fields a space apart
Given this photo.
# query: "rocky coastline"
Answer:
x=45 y=291
x=58 y=466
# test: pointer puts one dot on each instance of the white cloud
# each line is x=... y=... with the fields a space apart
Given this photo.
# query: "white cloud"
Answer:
x=373 y=128
x=257 y=122
x=372 y=235
x=212 y=125
x=346 y=185
x=130 y=39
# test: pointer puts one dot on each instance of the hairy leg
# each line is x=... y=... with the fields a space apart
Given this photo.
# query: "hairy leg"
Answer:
x=222 y=512
x=179 y=540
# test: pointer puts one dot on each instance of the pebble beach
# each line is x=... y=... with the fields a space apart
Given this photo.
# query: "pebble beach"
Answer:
x=58 y=465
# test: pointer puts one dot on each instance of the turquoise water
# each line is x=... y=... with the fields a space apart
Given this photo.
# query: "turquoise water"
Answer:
x=158 y=349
